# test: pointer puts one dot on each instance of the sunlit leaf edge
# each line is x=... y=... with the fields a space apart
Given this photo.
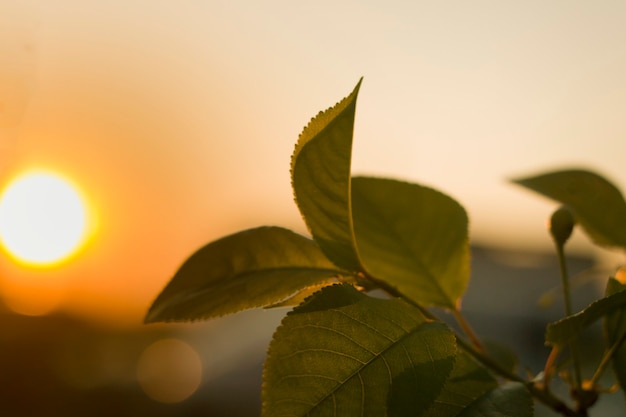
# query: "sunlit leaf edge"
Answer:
x=563 y=331
x=301 y=296
x=178 y=301
x=318 y=303
x=321 y=121
x=320 y=179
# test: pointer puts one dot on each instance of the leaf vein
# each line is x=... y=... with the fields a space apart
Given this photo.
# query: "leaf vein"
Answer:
x=304 y=351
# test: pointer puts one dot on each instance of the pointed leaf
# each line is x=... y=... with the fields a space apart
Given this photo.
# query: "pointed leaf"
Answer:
x=253 y=268
x=339 y=352
x=596 y=203
x=412 y=237
x=320 y=174
x=614 y=329
x=467 y=382
x=512 y=399
x=563 y=331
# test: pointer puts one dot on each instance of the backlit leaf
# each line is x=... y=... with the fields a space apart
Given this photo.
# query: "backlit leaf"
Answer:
x=467 y=382
x=320 y=175
x=511 y=399
x=597 y=204
x=303 y=294
x=614 y=329
x=340 y=352
x=254 y=268
x=412 y=237
x=563 y=331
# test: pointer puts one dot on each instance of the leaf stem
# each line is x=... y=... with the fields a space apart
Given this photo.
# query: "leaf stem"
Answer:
x=605 y=360
x=467 y=329
x=568 y=310
x=549 y=367
x=541 y=394
x=536 y=391
x=564 y=279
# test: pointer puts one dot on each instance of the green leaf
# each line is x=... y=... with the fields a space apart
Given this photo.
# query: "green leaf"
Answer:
x=614 y=330
x=511 y=399
x=340 y=353
x=253 y=268
x=412 y=237
x=467 y=382
x=563 y=331
x=320 y=175
x=596 y=203
x=303 y=294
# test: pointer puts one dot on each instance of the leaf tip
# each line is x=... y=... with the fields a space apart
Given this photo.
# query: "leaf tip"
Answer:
x=151 y=316
x=322 y=119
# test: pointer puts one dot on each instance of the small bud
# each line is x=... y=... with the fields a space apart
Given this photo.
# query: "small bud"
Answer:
x=561 y=225
x=586 y=395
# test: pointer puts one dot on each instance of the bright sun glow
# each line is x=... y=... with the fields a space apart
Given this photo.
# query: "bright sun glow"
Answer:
x=42 y=218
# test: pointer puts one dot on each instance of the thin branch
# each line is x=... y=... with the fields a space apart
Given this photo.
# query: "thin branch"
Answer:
x=608 y=355
x=467 y=329
x=536 y=391
x=568 y=310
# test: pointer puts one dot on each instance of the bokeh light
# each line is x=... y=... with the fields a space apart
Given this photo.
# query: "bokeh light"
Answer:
x=169 y=370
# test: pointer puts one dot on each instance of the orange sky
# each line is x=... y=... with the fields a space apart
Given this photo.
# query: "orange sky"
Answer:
x=178 y=119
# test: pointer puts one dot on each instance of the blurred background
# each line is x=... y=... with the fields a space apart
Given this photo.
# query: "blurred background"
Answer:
x=176 y=121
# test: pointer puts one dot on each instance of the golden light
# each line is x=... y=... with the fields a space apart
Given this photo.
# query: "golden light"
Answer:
x=169 y=371
x=43 y=219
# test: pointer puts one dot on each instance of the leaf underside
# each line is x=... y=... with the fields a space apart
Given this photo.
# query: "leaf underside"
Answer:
x=413 y=238
x=467 y=382
x=565 y=330
x=596 y=203
x=254 y=268
x=342 y=353
x=511 y=399
x=614 y=330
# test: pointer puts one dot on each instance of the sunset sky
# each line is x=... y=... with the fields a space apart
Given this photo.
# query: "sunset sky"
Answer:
x=177 y=119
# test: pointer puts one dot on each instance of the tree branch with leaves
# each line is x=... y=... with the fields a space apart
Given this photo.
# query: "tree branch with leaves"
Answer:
x=341 y=352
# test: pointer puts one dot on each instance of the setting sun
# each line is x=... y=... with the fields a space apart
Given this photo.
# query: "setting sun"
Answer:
x=42 y=218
